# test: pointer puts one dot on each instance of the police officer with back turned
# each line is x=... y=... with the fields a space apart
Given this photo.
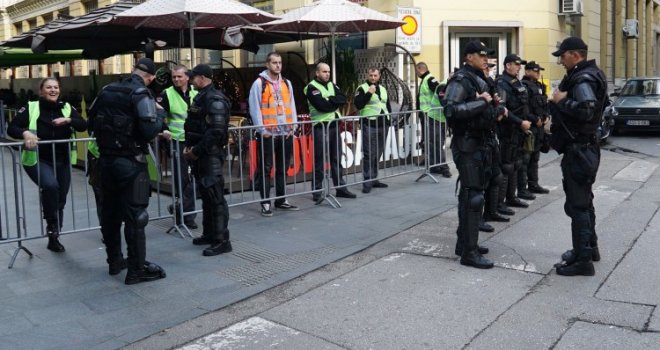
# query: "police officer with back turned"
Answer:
x=470 y=113
x=206 y=137
x=576 y=107
x=125 y=119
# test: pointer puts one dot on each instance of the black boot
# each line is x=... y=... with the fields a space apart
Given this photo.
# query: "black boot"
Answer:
x=578 y=268
x=492 y=201
x=504 y=210
x=536 y=188
x=470 y=255
x=569 y=256
x=516 y=203
x=218 y=248
x=524 y=194
x=149 y=272
x=54 y=244
x=481 y=249
x=484 y=227
x=116 y=265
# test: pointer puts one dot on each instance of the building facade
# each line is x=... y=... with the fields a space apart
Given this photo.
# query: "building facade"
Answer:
x=623 y=35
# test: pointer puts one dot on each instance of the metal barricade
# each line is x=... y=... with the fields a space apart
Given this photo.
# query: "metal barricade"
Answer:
x=22 y=198
x=435 y=133
x=252 y=162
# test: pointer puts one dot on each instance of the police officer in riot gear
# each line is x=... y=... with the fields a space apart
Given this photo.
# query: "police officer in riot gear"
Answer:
x=576 y=107
x=511 y=132
x=206 y=137
x=125 y=119
x=538 y=112
x=470 y=113
x=494 y=177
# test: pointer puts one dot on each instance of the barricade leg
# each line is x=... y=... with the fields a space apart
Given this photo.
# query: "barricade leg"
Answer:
x=321 y=138
x=178 y=222
x=18 y=220
x=431 y=140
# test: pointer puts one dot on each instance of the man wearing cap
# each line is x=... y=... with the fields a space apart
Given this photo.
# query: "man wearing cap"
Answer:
x=576 y=107
x=470 y=113
x=510 y=133
x=273 y=110
x=538 y=108
x=493 y=173
x=176 y=100
x=206 y=137
x=429 y=103
x=126 y=119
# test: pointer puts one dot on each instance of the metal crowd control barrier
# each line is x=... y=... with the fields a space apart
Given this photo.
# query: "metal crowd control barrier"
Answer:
x=395 y=147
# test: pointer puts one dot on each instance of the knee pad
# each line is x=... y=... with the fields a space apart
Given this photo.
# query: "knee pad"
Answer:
x=476 y=200
x=141 y=219
x=508 y=168
x=517 y=164
x=497 y=180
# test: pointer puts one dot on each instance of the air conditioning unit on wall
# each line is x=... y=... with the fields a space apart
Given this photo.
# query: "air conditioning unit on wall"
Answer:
x=631 y=28
x=570 y=7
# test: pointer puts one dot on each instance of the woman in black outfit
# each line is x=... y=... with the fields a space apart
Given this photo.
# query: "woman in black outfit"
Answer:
x=48 y=165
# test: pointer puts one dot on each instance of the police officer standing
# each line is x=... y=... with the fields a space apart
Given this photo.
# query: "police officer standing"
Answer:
x=325 y=98
x=176 y=100
x=206 y=137
x=538 y=108
x=125 y=119
x=576 y=107
x=510 y=134
x=470 y=113
x=374 y=107
x=429 y=103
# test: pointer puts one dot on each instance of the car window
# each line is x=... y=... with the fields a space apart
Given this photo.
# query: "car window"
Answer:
x=641 y=88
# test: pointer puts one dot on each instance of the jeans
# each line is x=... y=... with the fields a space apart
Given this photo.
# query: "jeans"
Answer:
x=54 y=182
x=282 y=148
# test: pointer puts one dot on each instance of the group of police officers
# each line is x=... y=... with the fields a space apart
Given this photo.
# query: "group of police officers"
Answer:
x=490 y=121
x=494 y=126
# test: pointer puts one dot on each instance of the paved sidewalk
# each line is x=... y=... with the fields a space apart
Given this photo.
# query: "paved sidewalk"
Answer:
x=409 y=291
x=68 y=301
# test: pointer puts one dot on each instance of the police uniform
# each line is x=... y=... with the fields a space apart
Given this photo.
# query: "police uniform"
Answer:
x=494 y=176
x=206 y=136
x=510 y=135
x=325 y=99
x=470 y=118
x=374 y=109
x=125 y=120
x=575 y=123
x=176 y=103
x=538 y=108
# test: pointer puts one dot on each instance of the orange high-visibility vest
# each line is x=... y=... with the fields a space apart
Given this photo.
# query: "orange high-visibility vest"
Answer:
x=269 y=107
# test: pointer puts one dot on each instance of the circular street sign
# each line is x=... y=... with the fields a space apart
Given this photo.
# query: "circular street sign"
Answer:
x=410 y=27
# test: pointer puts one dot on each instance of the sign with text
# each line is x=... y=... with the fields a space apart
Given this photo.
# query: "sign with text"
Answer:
x=409 y=35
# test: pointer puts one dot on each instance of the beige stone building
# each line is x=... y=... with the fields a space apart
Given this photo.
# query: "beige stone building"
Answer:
x=623 y=35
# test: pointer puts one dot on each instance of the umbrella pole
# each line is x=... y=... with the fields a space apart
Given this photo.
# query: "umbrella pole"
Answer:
x=191 y=25
x=332 y=54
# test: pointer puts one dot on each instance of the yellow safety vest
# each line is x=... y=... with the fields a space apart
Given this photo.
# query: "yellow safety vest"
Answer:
x=29 y=157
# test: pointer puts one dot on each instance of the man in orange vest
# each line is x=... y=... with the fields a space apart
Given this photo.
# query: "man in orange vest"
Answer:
x=273 y=110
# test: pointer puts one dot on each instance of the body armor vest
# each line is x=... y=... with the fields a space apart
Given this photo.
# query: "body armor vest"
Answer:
x=115 y=124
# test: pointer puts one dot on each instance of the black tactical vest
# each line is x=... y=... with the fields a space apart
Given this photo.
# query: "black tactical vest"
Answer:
x=115 y=122
x=474 y=85
x=587 y=72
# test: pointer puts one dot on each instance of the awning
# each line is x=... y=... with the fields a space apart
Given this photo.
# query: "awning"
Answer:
x=14 y=57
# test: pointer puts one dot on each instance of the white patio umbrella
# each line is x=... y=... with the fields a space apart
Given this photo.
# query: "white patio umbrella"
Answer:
x=334 y=16
x=191 y=14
